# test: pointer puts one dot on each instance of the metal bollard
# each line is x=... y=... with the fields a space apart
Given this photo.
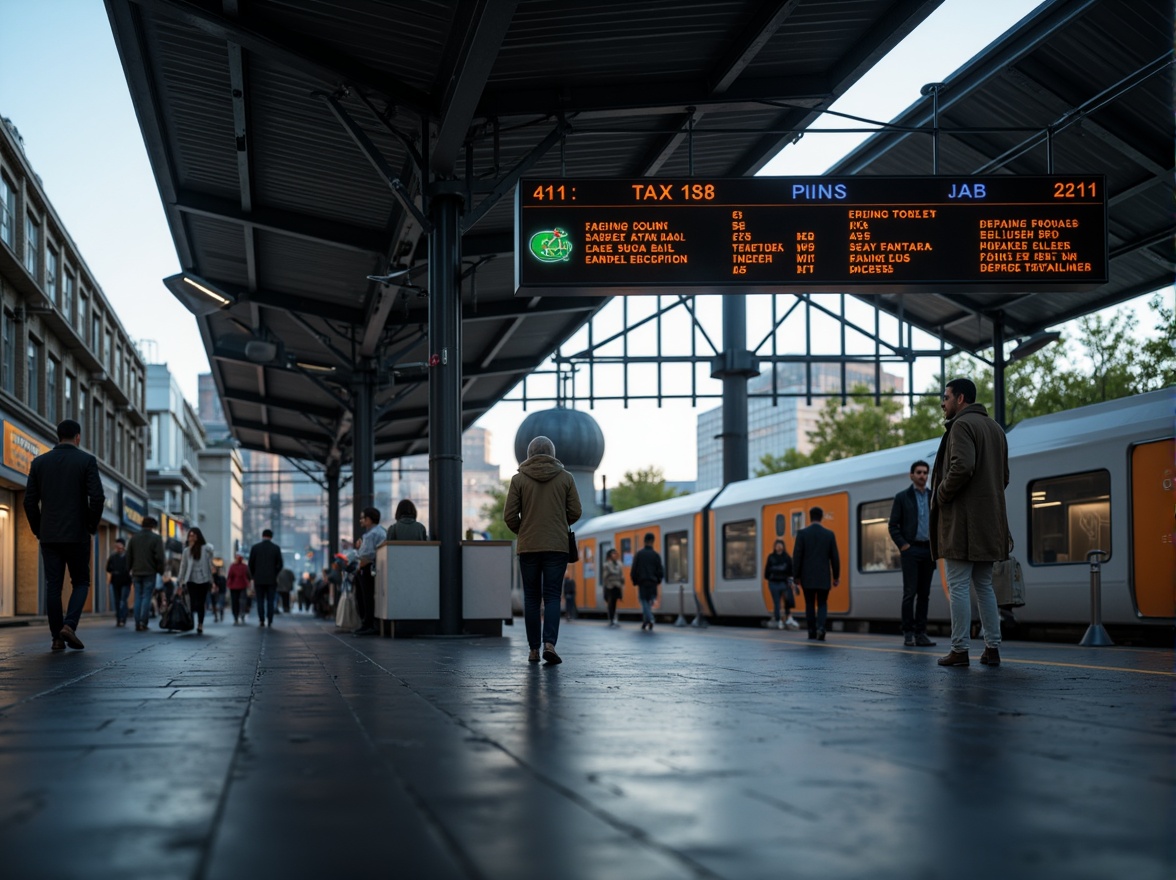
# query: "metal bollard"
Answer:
x=1096 y=634
x=681 y=621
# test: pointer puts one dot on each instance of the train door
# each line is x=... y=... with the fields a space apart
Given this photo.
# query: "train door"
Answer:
x=677 y=565
x=1153 y=553
x=585 y=573
x=784 y=520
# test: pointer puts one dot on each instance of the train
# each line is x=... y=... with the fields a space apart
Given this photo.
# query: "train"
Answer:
x=1098 y=477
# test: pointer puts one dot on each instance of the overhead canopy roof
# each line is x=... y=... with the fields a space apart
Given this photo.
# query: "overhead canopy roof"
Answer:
x=1097 y=75
x=282 y=135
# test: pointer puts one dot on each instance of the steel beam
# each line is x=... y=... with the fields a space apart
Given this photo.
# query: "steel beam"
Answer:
x=362 y=239
x=461 y=86
x=294 y=51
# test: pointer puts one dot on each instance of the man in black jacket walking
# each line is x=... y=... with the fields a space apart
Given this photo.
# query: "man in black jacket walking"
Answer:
x=265 y=561
x=646 y=574
x=63 y=502
x=813 y=559
x=910 y=518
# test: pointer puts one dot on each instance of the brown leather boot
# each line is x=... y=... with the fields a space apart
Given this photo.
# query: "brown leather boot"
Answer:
x=954 y=658
x=990 y=657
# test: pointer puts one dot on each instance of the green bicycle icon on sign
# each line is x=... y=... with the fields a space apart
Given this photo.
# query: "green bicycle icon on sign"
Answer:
x=551 y=246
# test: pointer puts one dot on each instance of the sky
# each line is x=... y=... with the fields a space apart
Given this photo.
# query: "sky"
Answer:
x=62 y=85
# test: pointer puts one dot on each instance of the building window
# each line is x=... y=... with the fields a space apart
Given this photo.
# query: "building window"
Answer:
x=107 y=352
x=70 y=408
x=7 y=212
x=51 y=261
x=96 y=330
x=83 y=307
x=739 y=556
x=112 y=438
x=67 y=297
x=8 y=361
x=33 y=372
x=52 y=368
x=82 y=413
x=1069 y=517
x=32 y=244
x=876 y=550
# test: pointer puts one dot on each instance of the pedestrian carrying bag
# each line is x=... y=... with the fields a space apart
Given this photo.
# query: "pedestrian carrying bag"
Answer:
x=346 y=615
x=573 y=550
x=178 y=617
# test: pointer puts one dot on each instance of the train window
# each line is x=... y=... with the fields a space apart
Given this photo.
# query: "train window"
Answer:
x=876 y=552
x=626 y=552
x=1068 y=517
x=781 y=523
x=739 y=556
x=677 y=562
x=797 y=522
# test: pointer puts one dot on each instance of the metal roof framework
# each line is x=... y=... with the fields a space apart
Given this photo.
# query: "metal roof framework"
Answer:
x=1078 y=86
x=296 y=146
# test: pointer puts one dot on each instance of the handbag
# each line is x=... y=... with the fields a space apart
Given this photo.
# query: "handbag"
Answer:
x=573 y=549
x=1007 y=581
x=178 y=616
x=346 y=615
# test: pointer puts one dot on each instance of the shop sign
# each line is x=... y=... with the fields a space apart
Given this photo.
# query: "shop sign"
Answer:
x=20 y=448
x=133 y=510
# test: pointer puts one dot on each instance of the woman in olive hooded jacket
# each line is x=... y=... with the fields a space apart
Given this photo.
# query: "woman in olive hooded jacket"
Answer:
x=541 y=504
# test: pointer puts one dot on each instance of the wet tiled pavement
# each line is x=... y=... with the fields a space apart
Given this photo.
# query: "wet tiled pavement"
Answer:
x=299 y=752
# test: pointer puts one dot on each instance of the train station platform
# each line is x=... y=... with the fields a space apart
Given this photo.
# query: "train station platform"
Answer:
x=298 y=752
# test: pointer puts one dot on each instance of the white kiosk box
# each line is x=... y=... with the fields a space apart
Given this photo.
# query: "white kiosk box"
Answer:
x=408 y=578
x=487 y=572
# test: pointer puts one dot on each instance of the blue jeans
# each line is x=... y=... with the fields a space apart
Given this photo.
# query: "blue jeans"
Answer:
x=144 y=587
x=780 y=590
x=646 y=610
x=961 y=575
x=267 y=595
x=119 y=597
x=542 y=575
x=56 y=558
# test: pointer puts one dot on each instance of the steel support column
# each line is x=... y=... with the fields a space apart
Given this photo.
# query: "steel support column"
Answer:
x=363 y=441
x=332 y=511
x=734 y=367
x=445 y=401
x=998 y=368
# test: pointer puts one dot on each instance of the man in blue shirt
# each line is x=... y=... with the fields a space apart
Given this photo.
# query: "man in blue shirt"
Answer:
x=910 y=518
x=365 y=580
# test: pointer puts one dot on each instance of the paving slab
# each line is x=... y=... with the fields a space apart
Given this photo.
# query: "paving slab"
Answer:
x=298 y=751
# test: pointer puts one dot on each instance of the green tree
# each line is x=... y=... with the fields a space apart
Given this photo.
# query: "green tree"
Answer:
x=492 y=513
x=860 y=426
x=775 y=464
x=1156 y=360
x=644 y=486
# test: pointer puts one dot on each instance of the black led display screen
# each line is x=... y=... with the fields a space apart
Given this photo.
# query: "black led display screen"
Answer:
x=769 y=234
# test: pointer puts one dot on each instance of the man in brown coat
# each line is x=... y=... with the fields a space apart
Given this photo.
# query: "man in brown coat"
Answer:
x=969 y=524
x=541 y=504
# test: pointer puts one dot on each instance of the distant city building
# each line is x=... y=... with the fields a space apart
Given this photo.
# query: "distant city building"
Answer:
x=177 y=439
x=63 y=354
x=772 y=430
x=274 y=494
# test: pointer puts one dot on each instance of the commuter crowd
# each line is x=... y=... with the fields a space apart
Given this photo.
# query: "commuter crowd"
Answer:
x=954 y=512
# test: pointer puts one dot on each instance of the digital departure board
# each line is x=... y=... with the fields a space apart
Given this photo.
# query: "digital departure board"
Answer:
x=770 y=234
